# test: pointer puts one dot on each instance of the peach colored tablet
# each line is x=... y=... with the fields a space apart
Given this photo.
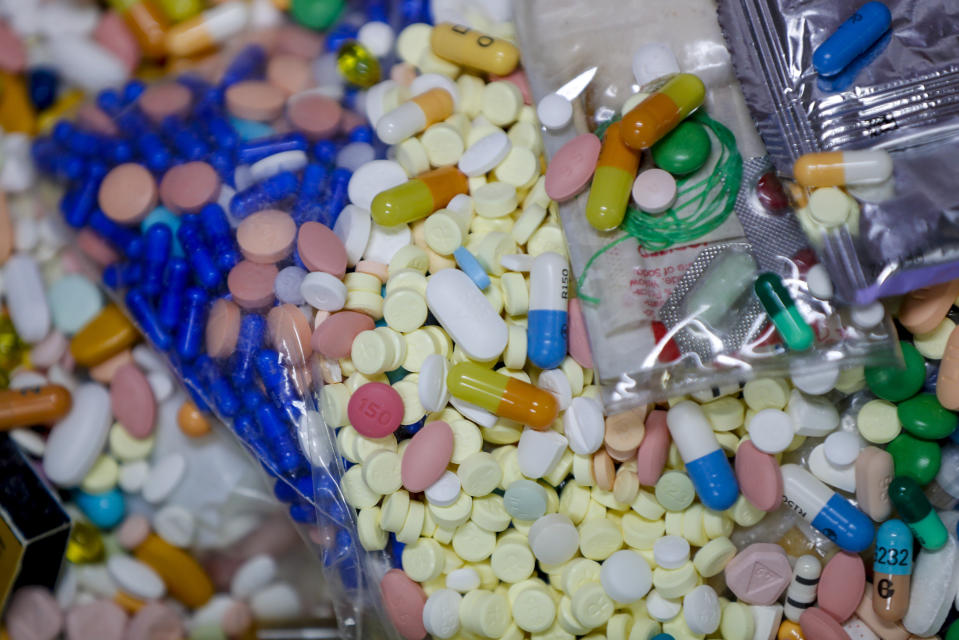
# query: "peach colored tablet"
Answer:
x=874 y=471
x=132 y=531
x=103 y=372
x=759 y=477
x=187 y=188
x=374 y=268
x=162 y=100
x=923 y=309
x=132 y=401
x=572 y=167
x=321 y=250
x=290 y=333
x=255 y=100
x=818 y=624
x=654 y=449
x=625 y=431
x=222 y=328
x=96 y=248
x=298 y=41
x=604 y=471
x=251 y=284
x=266 y=236
x=290 y=73
x=128 y=193
x=333 y=338
x=314 y=114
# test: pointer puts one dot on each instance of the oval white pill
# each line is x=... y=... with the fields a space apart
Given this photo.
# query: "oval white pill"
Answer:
x=466 y=314
x=625 y=576
x=584 y=425
x=135 y=578
x=253 y=575
x=175 y=524
x=463 y=580
x=771 y=430
x=373 y=178
x=701 y=610
x=662 y=609
x=431 y=385
x=554 y=111
x=29 y=312
x=353 y=228
x=77 y=440
x=164 y=478
x=483 y=155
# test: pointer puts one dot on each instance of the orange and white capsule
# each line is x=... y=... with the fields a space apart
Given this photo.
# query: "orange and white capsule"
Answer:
x=207 y=29
x=415 y=115
x=839 y=168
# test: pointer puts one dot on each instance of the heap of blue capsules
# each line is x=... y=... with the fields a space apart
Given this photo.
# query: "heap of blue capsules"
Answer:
x=173 y=268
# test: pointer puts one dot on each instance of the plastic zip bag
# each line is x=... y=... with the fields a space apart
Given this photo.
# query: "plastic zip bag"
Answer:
x=900 y=96
x=637 y=282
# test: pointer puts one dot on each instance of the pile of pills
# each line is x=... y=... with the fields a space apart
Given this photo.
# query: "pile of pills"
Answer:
x=258 y=236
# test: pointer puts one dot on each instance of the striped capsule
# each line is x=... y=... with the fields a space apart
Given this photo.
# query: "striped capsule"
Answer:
x=801 y=593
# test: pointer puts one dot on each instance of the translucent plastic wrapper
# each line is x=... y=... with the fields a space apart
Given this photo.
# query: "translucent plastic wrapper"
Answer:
x=900 y=96
x=669 y=300
x=186 y=156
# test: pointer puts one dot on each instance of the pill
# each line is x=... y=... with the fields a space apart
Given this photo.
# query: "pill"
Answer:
x=839 y=168
x=572 y=167
x=852 y=38
x=33 y=406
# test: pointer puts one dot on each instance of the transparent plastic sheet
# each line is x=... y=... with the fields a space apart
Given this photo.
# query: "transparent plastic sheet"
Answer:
x=267 y=392
x=900 y=96
x=626 y=285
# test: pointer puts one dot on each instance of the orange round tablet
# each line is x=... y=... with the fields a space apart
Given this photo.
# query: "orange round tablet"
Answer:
x=128 y=193
x=266 y=236
x=255 y=100
x=290 y=73
x=314 y=114
x=162 y=100
x=189 y=187
x=192 y=421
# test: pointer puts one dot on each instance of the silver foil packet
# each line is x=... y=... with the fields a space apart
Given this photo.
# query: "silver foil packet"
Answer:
x=902 y=96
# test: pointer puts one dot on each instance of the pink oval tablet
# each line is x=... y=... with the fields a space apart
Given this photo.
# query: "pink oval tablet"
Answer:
x=266 y=236
x=290 y=333
x=132 y=401
x=155 y=621
x=314 y=114
x=128 y=193
x=427 y=456
x=375 y=410
x=159 y=101
x=133 y=531
x=187 y=188
x=104 y=372
x=93 y=118
x=290 y=73
x=321 y=250
x=222 y=328
x=100 y=620
x=297 y=41
x=33 y=614
x=13 y=54
x=654 y=449
x=333 y=338
x=251 y=284
x=816 y=623
x=255 y=100
x=404 y=601
x=578 y=338
x=841 y=585
x=572 y=167
x=113 y=35
x=759 y=477
x=759 y=574
x=96 y=248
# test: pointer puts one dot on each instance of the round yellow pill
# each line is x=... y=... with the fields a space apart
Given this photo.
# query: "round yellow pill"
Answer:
x=443 y=233
x=404 y=310
x=737 y=622
x=334 y=399
x=395 y=509
x=371 y=353
x=693 y=529
x=471 y=94
x=716 y=524
x=878 y=421
x=591 y=606
x=503 y=431
x=548 y=237
x=346 y=443
x=414 y=525
x=125 y=447
x=745 y=514
x=102 y=476
x=675 y=583
x=453 y=515
x=574 y=501
x=640 y=533
x=479 y=474
x=413 y=42
x=766 y=393
x=357 y=493
x=423 y=560
x=502 y=102
x=364 y=447
x=933 y=344
x=533 y=609
x=467 y=440
x=526 y=135
x=519 y=168
x=829 y=207
x=512 y=561
x=714 y=556
x=411 y=155
x=372 y=537
x=409 y=391
x=359 y=281
x=365 y=302
x=443 y=144
x=410 y=257
x=486 y=614
x=567 y=620
x=579 y=572
x=490 y=513
x=473 y=543
x=598 y=539
x=381 y=472
x=725 y=414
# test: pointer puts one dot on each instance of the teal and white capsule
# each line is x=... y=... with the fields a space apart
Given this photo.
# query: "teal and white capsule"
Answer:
x=548 y=318
x=782 y=311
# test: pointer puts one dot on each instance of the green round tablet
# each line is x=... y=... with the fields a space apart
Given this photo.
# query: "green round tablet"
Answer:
x=316 y=14
x=918 y=459
x=675 y=491
x=684 y=150
x=896 y=384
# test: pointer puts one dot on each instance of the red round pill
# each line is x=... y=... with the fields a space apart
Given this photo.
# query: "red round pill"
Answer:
x=375 y=410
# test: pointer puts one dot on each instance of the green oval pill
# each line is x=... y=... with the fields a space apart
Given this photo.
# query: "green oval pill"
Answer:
x=915 y=458
x=924 y=417
x=316 y=14
x=684 y=150
x=895 y=384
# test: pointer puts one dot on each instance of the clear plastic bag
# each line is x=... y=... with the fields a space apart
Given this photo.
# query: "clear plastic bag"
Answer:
x=637 y=282
x=900 y=96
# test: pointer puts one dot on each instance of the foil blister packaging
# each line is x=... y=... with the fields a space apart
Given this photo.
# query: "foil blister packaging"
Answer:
x=632 y=284
x=902 y=96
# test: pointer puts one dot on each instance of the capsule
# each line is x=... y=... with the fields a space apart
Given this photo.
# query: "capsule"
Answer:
x=914 y=508
x=473 y=49
x=827 y=511
x=839 y=168
x=419 y=197
x=852 y=39
x=706 y=462
x=207 y=29
x=891 y=570
x=415 y=115
x=500 y=394
x=612 y=182
x=548 y=317
x=801 y=593
x=147 y=23
x=34 y=406
x=782 y=311
x=649 y=121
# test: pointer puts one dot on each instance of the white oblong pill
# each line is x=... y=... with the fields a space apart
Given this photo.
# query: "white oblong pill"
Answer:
x=466 y=314
x=26 y=303
x=135 y=578
x=432 y=383
x=77 y=440
x=323 y=291
x=353 y=227
x=175 y=524
x=164 y=478
x=584 y=425
x=253 y=575
x=483 y=155
x=539 y=451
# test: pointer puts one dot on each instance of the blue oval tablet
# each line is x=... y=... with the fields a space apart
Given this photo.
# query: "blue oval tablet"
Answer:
x=852 y=38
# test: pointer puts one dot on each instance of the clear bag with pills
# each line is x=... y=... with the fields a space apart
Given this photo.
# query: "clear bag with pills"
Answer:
x=669 y=299
x=898 y=95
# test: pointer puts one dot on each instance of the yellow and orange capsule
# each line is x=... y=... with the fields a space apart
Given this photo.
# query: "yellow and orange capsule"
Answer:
x=613 y=180
x=502 y=395
x=185 y=579
x=415 y=115
x=418 y=197
x=148 y=24
x=649 y=121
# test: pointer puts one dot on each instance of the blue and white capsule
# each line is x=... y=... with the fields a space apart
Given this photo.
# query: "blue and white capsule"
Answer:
x=853 y=38
x=830 y=513
x=548 y=319
x=706 y=462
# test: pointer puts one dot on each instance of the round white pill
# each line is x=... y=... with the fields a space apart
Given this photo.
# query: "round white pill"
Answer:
x=868 y=316
x=842 y=448
x=817 y=381
x=654 y=190
x=553 y=538
x=323 y=291
x=372 y=178
x=660 y=608
x=554 y=111
x=701 y=610
x=653 y=60
x=671 y=552
x=444 y=491
x=625 y=576
x=441 y=613
x=817 y=279
x=771 y=430
x=584 y=425
x=377 y=37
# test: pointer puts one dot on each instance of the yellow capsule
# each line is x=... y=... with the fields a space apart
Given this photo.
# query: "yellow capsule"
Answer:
x=185 y=579
x=16 y=110
x=64 y=107
x=85 y=545
x=106 y=335
x=502 y=395
x=419 y=197
x=358 y=65
x=473 y=49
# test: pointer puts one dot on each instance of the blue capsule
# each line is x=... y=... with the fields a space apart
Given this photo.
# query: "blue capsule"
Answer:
x=189 y=338
x=143 y=313
x=248 y=432
x=263 y=195
x=339 y=195
x=153 y=152
x=171 y=300
x=255 y=150
x=222 y=160
x=852 y=38
x=220 y=390
x=361 y=133
x=252 y=332
x=220 y=131
x=132 y=91
x=276 y=431
x=276 y=379
x=303 y=512
x=79 y=203
x=284 y=492
x=120 y=237
x=189 y=145
x=216 y=229
x=248 y=64
x=201 y=262
x=469 y=265
x=105 y=510
x=325 y=152
x=109 y=100
x=159 y=241
x=121 y=275
x=42 y=85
